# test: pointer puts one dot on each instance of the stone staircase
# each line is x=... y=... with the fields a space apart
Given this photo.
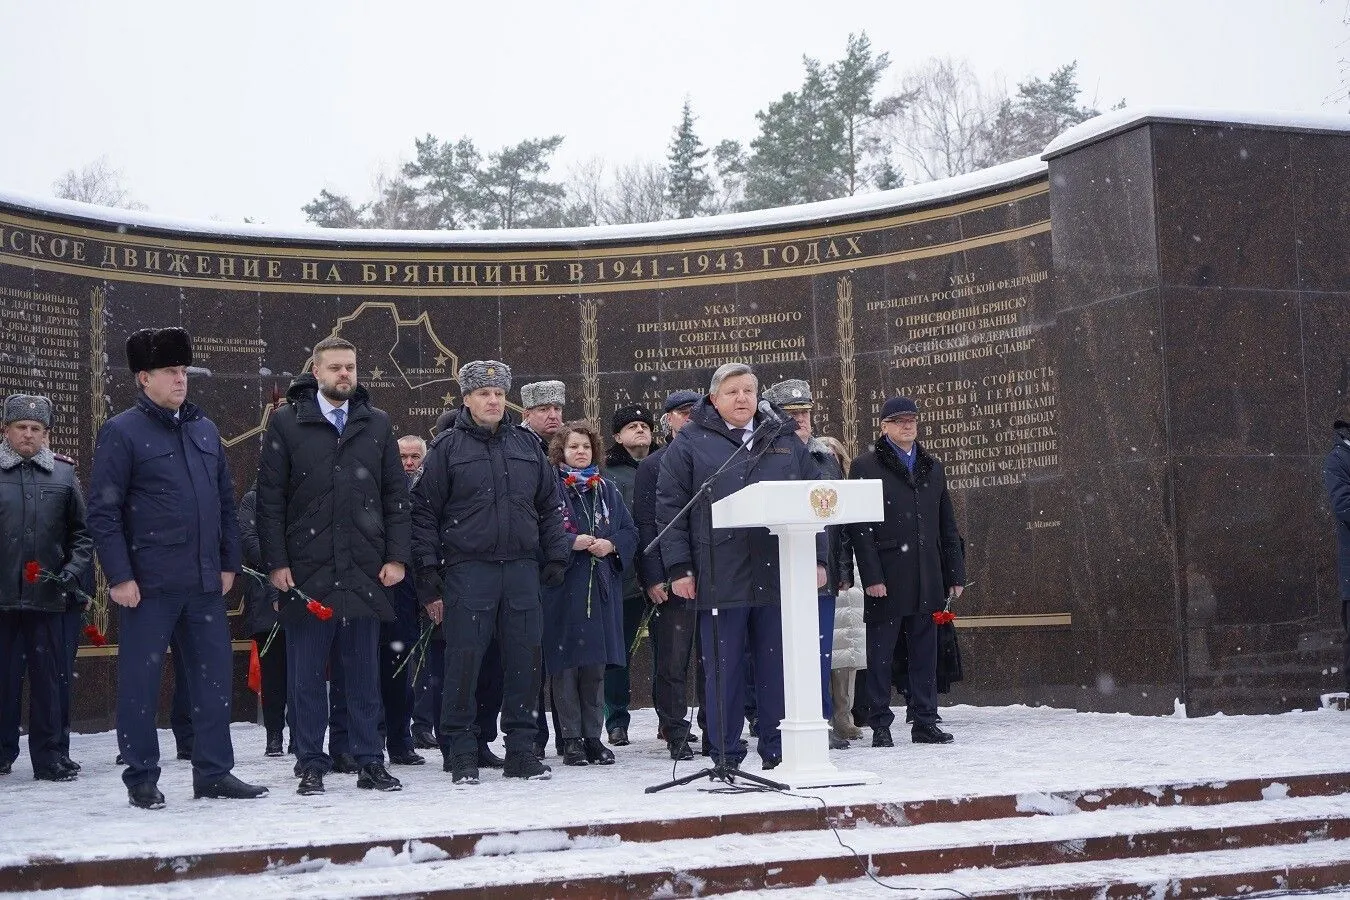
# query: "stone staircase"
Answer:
x=1171 y=840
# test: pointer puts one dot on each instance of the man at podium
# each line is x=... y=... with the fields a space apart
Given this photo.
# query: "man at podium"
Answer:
x=732 y=575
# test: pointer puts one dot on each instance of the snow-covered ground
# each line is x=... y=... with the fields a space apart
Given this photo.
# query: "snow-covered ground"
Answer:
x=998 y=751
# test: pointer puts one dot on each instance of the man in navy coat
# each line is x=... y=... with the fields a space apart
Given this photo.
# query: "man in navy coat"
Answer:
x=162 y=514
x=732 y=574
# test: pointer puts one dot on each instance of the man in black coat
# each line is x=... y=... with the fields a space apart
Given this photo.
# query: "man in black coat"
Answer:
x=260 y=620
x=45 y=550
x=910 y=563
x=161 y=511
x=334 y=524
x=1336 y=478
x=487 y=529
x=674 y=623
x=632 y=429
x=733 y=572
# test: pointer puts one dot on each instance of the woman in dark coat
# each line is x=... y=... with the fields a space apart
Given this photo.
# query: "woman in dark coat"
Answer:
x=583 y=617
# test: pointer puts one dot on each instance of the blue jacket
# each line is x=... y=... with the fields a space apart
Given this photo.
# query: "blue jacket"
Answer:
x=161 y=502
x=574 y=635
x=1336 y=478
x=731 y=566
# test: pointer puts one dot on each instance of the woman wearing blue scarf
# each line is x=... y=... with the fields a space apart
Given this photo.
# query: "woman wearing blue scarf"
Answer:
x=583 y=617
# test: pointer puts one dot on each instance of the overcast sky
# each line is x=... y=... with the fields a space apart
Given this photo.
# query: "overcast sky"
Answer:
x=249 y=108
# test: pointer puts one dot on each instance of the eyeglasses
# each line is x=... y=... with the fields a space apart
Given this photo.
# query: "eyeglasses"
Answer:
x=902 y=420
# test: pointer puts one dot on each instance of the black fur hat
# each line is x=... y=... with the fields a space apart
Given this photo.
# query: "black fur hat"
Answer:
x=157 y=348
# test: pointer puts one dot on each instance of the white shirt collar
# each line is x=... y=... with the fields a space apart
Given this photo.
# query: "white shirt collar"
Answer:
x=327 y=408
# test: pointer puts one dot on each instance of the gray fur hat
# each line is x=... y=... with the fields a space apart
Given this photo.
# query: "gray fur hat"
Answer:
x=541 y=392
x=28 y=408
x=483 y=373
x=790 y=394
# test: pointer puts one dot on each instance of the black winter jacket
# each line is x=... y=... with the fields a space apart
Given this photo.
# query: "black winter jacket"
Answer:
x=732 y=567
x=488 y=496
x=42 y=521
x=621 y=470
x=334 y=509
x=841 y=545
x=916 y=549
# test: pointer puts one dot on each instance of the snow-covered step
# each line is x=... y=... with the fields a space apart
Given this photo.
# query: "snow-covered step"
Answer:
x=808 y=815
x=1283 y=870
x=533 y=865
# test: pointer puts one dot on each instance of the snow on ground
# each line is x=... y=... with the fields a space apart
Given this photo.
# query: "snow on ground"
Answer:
x=1024 y=751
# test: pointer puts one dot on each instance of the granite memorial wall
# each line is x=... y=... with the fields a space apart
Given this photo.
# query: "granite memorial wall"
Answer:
x=1128 y=358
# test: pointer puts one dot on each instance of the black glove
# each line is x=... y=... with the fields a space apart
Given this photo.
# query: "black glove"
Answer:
x=553 y=572
x=428 y=584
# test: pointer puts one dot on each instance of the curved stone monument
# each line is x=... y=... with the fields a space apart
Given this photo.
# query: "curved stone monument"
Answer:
x=1128 y=356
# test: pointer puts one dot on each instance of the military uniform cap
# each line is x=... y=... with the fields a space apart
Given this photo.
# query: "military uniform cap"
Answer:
x=483 y=373
x=794 y=393
x=540 y=393
x=28 y=408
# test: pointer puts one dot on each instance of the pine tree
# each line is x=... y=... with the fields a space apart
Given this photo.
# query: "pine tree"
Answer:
x=688 y=186
x=1036 y=115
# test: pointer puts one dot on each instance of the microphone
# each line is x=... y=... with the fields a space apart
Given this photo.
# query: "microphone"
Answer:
x=767 y=410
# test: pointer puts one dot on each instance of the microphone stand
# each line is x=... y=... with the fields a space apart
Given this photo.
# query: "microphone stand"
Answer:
x=720 y=770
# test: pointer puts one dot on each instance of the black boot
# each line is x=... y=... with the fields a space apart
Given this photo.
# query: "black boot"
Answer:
x=423 y=739
x=273 y=747
x=408 y=758
x=228 y=787
x=487 y=759
x=145 y=796
x=524 y=764
x=54 y=772
x=376 y=777
x=345 y=764
x=881 y=736
x=311 y=782
x=574 y=752
x=597 y=754
x=929 y=734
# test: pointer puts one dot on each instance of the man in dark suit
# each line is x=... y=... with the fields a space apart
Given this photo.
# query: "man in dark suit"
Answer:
x=910 y=563
x=162 y=514
x=732 y=574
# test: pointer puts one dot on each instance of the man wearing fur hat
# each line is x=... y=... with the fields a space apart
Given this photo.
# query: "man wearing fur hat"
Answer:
x=543 y=402
x=44 y=552
x=335 y=526
x=632 y=427
x=486 y=512
x=162 y=514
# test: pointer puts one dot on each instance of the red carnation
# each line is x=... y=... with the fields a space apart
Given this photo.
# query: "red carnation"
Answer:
x=32 y=571
x=570 y=480
x=318 y=610
x=593 y=480
x=944 y=617
x=95 y=636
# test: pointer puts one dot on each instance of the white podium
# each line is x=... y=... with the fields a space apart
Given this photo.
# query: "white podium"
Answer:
x=796 y=511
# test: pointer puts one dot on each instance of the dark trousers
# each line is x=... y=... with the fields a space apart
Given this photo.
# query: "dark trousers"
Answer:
x=826 y=604
x=72 y=622
x=11 y=701
x=758 y=629
x=920 y=636
x=203 y=640
x=37 y=637
x=427 y=707
x=673 y=631
x=180 y=710
x=618 y=687
x=483 y=599
x=354 y=643
x=397 y=640
x=1345 y=619
x=273 y=697
x=579 y=698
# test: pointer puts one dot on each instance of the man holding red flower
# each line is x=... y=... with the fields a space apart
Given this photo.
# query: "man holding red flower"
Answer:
x=44 y=549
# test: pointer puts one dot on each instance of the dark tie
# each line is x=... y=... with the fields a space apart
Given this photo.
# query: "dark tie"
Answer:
x=739 y=434
x=339 y=419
